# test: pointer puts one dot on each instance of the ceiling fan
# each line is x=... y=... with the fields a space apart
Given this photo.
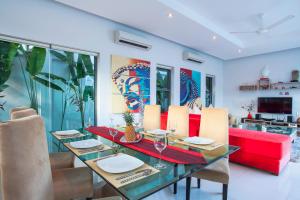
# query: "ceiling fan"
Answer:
x=265 y=29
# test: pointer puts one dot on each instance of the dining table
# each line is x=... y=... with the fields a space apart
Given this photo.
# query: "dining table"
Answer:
x=180 y=159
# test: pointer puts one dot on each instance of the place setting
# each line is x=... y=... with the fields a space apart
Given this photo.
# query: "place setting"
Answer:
x=199 y=142
x=67 y=134
x=155 y=132
x=87 y=146
x=121 y=169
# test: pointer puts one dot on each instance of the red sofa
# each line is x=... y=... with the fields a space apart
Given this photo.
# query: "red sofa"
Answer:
x=266 y=151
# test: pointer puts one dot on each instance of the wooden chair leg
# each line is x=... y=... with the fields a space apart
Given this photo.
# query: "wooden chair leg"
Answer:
x=225 y=191
x=198 y=182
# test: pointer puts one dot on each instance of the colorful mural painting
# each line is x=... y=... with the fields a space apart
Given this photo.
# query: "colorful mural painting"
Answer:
x=190 y=89
x=131 y=83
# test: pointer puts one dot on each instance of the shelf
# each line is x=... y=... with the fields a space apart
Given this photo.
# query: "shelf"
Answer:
x=273 y=86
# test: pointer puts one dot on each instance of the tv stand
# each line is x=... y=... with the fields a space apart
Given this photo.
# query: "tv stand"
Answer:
x=270 y=122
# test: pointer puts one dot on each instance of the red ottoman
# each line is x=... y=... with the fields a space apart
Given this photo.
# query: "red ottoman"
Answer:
x=265 y=151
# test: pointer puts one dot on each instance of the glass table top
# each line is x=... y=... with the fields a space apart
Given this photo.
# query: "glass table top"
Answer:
x=284 y=130
x=149 y=185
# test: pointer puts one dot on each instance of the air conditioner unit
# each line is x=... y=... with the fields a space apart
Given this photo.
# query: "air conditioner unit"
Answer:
x=129 y=39
x=192 y=57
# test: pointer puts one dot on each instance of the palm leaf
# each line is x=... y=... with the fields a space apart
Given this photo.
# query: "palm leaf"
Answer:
x=80 y=67
x=8 y=51
x=72 y=67
x=3 y=87
x=89 y=68
x=88 y=93
x=48 y=83
x=36 y=60
x=53 y=77
x=59 y=55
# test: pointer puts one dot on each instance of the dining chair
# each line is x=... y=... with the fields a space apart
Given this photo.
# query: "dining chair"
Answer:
x=151 y=117
x=58 y=160
x=214 y=125
x=178 y=119
x=25 y=165
x=18 y=109
x=22 y=112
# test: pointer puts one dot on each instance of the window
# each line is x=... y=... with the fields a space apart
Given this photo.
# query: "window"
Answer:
x=163 y=88
x=59 y=85
x=209 y=92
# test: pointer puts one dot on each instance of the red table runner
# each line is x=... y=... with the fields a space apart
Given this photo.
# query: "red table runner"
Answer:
x=170 y=154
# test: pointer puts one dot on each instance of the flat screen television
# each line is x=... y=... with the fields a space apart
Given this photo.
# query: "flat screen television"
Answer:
x=275 y=105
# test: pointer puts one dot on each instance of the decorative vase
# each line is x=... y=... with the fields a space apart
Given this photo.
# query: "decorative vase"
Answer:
x=265 y=72
x=249 y=116
x=295 y=76
x=130 y=135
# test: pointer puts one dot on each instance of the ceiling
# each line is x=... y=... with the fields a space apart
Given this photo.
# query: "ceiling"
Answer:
x=194 y=23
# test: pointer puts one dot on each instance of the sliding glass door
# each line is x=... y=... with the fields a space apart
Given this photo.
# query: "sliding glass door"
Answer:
x=58 y=84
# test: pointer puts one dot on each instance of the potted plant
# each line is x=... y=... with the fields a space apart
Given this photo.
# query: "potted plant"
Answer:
x=129 y=130
x=249 y=108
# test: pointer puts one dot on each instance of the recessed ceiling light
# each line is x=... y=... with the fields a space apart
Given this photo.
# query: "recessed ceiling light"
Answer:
x=239 y=50
x=214 y=37
x=170 y=15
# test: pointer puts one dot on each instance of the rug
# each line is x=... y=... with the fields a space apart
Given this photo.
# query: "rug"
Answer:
x=295 y=155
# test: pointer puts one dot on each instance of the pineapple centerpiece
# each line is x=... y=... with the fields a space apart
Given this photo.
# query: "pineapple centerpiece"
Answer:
x=129 y=130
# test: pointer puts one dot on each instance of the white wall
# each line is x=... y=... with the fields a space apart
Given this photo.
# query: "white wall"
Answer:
x=51 y=22
x=248 y=70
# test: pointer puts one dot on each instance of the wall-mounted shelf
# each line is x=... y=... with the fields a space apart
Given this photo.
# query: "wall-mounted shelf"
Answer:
x=271 y=86
x=285 y=86
x=248 y=87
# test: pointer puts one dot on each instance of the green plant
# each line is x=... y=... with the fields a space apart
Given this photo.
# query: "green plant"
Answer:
x=77 y=93
x=34 y=59
x=8 y=52
x=128 y=118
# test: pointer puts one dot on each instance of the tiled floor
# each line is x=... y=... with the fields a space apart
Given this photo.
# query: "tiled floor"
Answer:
x=245 y=184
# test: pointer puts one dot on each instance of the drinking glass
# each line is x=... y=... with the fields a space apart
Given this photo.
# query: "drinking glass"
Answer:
x=89 y=123
x=113 y=132
x=138 y=127
x=111 y=120
x=160 y=143
x=172 y=128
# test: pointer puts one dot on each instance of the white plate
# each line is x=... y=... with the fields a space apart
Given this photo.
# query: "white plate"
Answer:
x=157 y=132
x=119 y=164
x=85 y=144
x=199 y=140
x=67 y=132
